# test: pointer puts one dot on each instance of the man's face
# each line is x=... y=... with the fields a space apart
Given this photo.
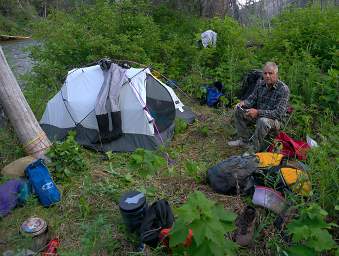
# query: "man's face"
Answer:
x=270 y=76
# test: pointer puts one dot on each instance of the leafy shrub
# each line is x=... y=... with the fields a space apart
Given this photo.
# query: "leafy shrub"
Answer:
x=302 y=119
x=180 y=126
x=123 y=31
x=323 y=162
x=194 y=170
x=15 y=16
x=209 y=223
x=310 y=232
x=311 y=29
x=146 y=162
x=67 y=158
x=303 y=43
x=204 y=130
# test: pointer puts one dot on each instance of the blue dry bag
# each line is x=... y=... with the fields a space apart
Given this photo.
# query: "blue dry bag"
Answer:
x=42 y=183
x=213 y=95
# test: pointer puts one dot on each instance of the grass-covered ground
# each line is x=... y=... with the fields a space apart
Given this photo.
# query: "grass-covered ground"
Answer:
x=88 y=221
x=95 y=192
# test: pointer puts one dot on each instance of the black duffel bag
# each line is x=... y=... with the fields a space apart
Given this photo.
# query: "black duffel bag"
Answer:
x=234 y=175
x=158 y=217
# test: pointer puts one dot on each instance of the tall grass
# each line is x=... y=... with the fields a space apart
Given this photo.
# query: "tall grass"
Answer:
x=10 y=148
x=324 y=165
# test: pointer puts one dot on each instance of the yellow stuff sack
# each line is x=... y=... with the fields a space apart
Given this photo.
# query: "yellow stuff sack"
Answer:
x=268 y=159
x=297 y=180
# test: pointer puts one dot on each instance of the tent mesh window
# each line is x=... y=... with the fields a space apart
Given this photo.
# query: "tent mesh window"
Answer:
x=159 y=103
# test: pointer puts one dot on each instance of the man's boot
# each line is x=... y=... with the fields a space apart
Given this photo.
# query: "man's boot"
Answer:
x=116 y=125
x=245 y=223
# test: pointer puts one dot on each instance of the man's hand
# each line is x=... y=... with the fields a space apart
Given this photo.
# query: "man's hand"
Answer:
x=240 y=104
x=252 y=112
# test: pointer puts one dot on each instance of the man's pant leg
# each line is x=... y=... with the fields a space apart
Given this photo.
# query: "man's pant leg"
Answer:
x=242 y=124
x=263 y=127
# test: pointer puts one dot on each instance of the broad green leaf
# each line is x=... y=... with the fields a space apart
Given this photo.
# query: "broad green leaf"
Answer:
x=224 y=215
x=230 y=247
x=299 y=250
x=67 y=172
x=209 y=223
x=199 y=231
x=178 y=234
x=216 y=249
x=215 y=231
x=128 y=177
x=202 y=250
x=188 y=214
x=321 y=241
x=199 y=199
x=136 y=158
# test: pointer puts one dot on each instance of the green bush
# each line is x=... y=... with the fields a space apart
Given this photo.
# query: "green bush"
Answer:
x=209 y=223
x=146 y=162
x=143 y=33
x=304 y=44
x=180 y=126
x=310 y=232
x=308 y=29
x=67 y=158
x=15 y=16
x=324 y=162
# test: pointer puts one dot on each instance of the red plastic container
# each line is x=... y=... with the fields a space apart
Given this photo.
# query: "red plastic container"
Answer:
x=51 y=249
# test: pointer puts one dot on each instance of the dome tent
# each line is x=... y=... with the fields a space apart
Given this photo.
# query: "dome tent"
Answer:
x=148 y=109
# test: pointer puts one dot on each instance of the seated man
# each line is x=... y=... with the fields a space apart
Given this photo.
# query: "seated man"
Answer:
x=267 y=106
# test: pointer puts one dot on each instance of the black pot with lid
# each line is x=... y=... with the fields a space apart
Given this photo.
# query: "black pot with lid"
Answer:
x=133 y=208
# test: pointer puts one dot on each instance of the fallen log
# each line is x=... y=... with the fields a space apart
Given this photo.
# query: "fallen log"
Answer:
x=27 y=128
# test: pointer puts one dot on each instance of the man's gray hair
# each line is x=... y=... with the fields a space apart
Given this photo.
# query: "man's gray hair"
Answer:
x=272 y=65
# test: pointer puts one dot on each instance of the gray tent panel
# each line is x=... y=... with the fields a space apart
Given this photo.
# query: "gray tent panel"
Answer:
x=188 y=115
x=127 y=143
x=160 y=104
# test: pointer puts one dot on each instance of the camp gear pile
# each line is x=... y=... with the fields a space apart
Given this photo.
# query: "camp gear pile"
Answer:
x=240 y=174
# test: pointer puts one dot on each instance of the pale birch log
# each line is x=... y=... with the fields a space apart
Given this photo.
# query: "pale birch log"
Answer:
x=27 y=128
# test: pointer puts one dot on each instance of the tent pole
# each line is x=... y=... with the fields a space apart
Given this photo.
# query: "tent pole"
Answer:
x=27 y=128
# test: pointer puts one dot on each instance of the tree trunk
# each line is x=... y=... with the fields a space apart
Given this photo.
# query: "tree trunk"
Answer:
x=27 y=128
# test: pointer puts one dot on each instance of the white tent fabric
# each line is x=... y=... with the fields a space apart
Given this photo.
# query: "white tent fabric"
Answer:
x=209 y=37
x=75 y=102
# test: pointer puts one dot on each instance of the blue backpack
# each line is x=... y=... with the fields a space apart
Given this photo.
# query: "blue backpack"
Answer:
x=213 y=95
x=42 y=183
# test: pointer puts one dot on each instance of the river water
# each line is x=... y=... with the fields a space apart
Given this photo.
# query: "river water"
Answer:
x=18 y=57
x=19 y=60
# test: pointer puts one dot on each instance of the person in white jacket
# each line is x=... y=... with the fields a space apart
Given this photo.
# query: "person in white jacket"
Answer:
x=209 y=37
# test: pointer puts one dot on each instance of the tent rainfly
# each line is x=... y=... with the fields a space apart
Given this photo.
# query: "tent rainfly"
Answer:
x=114 y=109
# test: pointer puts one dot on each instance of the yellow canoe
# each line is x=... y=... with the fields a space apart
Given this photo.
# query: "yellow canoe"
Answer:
x=8 y=37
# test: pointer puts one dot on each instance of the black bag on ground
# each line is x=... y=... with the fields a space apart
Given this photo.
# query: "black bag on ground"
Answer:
x=233 y=175
x=158 y=217
x=249 y=83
